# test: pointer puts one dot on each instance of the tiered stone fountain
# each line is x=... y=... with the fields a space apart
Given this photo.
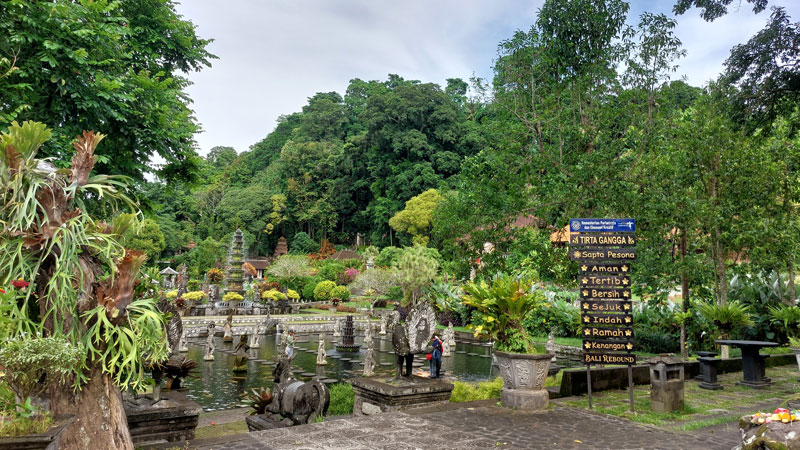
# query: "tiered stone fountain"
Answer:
x=234 y=282
x=348 y=337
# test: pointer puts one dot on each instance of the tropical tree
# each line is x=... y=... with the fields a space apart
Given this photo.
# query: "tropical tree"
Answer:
x=81 y=281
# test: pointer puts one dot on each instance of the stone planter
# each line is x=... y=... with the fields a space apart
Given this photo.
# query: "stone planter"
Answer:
x=172 y=419
x=523 y=380
x=49 y=440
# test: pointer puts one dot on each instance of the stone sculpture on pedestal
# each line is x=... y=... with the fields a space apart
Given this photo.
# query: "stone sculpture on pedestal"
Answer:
x=383 y=325
x=209 y=356
x=228 y=327
x=446 y=342
x=255 y=340
x=240 y=360
x=182 y=346
x=451 y=336
x=337 y=327
x=321 y=351
x=369 y=359
x=412 y=337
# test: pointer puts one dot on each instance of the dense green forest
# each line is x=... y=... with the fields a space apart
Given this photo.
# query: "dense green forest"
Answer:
x=584 y=116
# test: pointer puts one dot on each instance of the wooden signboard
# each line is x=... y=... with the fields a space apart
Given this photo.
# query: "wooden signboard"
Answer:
x=606 y=306
x=604 y=247
x=607 y=319
x=611 y=294
x=607 y=345
x=604 y=281
x=603 y=239
x=608 y=269
x=599 y=253
x=609 y=358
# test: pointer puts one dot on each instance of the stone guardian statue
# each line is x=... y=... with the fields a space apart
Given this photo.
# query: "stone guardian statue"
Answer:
x=321 y=351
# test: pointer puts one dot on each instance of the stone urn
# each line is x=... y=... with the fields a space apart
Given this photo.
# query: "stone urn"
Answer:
x=49 y=440
x=523 y=379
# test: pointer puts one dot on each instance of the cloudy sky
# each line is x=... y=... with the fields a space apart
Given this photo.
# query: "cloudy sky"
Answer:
x=273 y=55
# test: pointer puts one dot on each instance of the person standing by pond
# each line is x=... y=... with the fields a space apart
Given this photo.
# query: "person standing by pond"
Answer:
x=436 y=358
x=290 y=340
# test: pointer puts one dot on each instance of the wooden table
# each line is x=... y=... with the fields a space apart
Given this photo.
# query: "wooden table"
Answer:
x=752 y=362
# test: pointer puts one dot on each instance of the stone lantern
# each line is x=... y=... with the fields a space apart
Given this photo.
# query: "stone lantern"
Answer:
x=666 y=383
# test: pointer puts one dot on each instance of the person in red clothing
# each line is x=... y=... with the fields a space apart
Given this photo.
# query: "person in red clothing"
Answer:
x=436 y=360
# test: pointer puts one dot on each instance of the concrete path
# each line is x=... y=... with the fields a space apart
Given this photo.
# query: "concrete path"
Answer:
x=479 y=425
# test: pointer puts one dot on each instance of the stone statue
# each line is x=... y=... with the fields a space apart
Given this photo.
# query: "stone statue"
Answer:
x=240 y=360
x=295 y=402
x=383 y=324
x=447 y=340
x=321 y=351
x=337 y=327
x=182 y=347
x=369 y=359
x=209 y=356
x=368 y=333
x=451 y=334
x=284 y=342
x=228 y=327
x=550 y=346
x=255 y=340
x=413 y=336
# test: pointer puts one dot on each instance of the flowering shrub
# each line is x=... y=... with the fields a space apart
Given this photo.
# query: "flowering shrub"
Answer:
x=171 y=295
x=215 y=276
x=292 y=294
x=340 y=293
x=347 y=309
x=265 y=286
x=349 y=275
x=274 y=295
x=323 y=307
x=249 y=269
x=232 y=297
x=323 y=290
x=195 y=296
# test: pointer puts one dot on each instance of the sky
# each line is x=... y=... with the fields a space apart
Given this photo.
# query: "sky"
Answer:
x=274 y=55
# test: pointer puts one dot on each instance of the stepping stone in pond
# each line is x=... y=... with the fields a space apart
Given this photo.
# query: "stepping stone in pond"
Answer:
x=485 y=356
x=461 y=351
x=472 y=354
x=308 y=374
x=386 y=364
x=330 y=381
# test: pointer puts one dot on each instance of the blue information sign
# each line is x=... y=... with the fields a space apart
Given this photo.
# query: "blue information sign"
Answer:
x=602 y=225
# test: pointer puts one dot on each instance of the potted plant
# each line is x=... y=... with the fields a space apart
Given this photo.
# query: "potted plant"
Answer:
x=501 y=307
x=725 y=318
x=30 y=365
x=788 y=318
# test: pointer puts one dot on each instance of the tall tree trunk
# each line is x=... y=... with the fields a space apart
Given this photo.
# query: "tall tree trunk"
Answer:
x=100 y=421
x=684 y=295
x=791 y=283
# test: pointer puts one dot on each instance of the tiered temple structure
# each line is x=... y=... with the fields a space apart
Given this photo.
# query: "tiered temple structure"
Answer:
x=234 y=282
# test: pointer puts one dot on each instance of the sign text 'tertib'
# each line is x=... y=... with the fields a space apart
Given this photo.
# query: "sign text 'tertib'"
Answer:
x=606 y=319
x=606 y=306
x=607 y=269
x=606 y=345
x=608 y=333
x=602 y=240
x=594 y=254
x=612 y=294
x=608 y=358
x=602 y=225
x=604 y=280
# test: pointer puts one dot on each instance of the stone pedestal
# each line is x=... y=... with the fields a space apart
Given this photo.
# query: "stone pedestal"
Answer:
x=523 y=380
x=699 y=376
x=708 y=373
x=666 y=383
x=374 y=396
x=172 y=419
x=49 y=440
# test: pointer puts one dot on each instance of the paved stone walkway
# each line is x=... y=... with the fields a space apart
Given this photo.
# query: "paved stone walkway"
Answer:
x=483 y=426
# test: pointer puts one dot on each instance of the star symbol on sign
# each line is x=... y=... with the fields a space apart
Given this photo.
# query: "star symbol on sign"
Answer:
x=586 y=319
x=577 y=254
x=627 y=320
x=587 y=331
x=587 y=345
x=627 y=332
x=585 y=306
x=624 y=268
x=626 y=294
x=585 y=293
x=584 y=280
x=629 y=346
x=584 y=268
x=625 y=281
x=627 y=306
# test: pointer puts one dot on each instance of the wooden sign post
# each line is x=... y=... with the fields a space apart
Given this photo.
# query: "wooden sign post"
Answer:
x=604 y=248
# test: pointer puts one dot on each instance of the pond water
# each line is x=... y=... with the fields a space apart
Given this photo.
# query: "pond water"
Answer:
x=215 y=386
